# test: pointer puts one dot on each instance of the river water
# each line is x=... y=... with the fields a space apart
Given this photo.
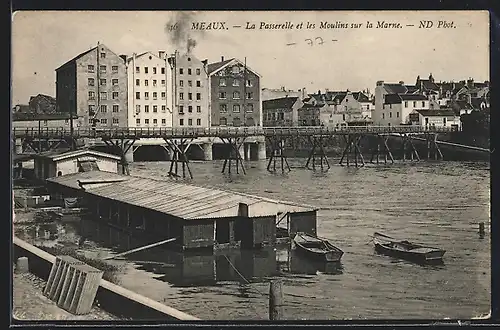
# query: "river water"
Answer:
x=436 y=203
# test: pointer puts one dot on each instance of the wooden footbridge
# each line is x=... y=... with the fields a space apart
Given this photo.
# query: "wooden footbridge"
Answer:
x=277 y=140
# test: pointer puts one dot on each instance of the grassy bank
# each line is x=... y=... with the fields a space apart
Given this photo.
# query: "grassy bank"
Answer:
x=110 y=271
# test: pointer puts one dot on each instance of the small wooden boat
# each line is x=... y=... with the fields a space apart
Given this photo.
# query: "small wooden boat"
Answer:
x=317 y=248
x=406 y=250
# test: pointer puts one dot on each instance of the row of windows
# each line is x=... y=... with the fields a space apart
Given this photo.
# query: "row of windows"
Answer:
x=236 y=108
x=236 y=95
x=146 y=95
x=190 y=83
x=146 y=108
x=236 y=82
x=406 y=104
x=146 y=82
x=103 y=108
x=190 y=108
x=189 y=71
x=190 y=96
x=146 y=70
x=146 y=121
x=237 y=121
x=390 y=115
x=190 y=122
x=46 y=122
x=414 y=104
x=103 y=95
x=102 y=82
x=274 y=116
x=102 y=68
x=103 y=121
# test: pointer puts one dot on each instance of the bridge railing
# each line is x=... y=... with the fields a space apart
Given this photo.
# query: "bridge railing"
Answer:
x=152 y=132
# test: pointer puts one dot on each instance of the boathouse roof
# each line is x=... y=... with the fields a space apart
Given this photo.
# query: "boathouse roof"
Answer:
x=60 y=155
x=181 y=200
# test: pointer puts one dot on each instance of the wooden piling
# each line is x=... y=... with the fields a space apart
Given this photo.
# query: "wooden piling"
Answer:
x=275 y=300
x=22 y=265
x=481 y=230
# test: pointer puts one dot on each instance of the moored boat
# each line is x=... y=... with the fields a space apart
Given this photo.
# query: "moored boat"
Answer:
x=317 y=248
x=406 y=250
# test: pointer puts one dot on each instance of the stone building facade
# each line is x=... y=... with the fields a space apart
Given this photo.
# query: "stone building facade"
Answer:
x=93 y=85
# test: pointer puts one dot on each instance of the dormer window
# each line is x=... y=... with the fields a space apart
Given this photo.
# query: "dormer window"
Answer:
x=236 y=69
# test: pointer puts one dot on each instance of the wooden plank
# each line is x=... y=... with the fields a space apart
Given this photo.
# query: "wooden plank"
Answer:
x=141 y=248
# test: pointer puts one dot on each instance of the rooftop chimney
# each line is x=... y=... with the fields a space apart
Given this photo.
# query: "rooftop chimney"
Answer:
x=222 y=58
x=161 y=54
x=401 y=82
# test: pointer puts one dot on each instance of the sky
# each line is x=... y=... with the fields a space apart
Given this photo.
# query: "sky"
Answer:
x=356 y=60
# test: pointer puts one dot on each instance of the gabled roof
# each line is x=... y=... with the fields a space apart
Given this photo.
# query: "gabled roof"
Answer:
x=411 y=89
x=212 y=67
x=83 y=54
x=311 y=106
x=360 y=97
x=58 y=155
x=451 y=86
x=392 y=99
x=140 y=55
x=395 y=88
x=184 y=201
x=76 y=58
x=280 y=103
x=44 y=96
x=427 y=85
x=332 y=97
x=217 y=66
x=413 y=97
x=437 y=113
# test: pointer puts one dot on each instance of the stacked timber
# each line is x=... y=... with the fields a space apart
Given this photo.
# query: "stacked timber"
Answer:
x=73 y=285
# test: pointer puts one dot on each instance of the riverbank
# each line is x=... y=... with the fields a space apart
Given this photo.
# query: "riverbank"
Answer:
x=30 y=304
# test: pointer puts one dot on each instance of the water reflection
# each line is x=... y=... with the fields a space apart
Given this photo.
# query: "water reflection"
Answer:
x=198 y=268
x=293 y=263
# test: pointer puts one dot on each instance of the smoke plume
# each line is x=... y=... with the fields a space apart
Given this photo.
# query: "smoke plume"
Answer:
x=178 y=30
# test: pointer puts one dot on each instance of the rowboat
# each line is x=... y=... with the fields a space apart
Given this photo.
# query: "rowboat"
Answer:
x=316 y=248
x=406 y=250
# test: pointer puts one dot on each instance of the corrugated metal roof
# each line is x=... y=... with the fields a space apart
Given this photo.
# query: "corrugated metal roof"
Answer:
x=181 y=200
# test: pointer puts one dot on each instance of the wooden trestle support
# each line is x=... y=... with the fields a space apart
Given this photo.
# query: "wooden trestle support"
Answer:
x=39 y=145
x=277 y=148
x=408 y=149
x=385 y=152
x=432 y=147
x=352 y=146
x=123 y=145
x=178 y=149
x=317 y=151
x=235 y=144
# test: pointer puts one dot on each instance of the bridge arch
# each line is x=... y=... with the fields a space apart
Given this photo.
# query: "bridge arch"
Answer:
x=144 y=153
